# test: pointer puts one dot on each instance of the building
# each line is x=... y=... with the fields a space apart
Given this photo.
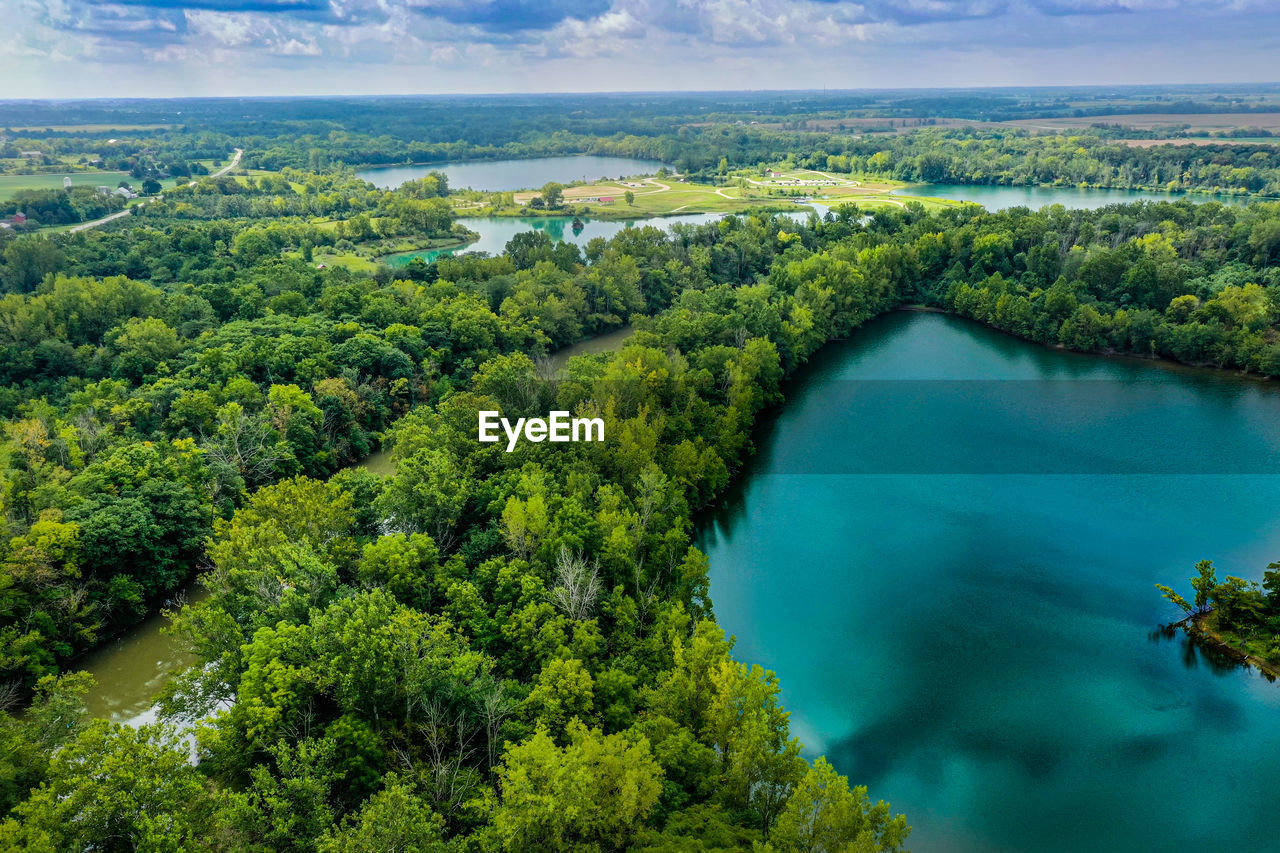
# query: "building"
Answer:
x=19 y=218
x=103 y=190
x=66 y=182
x=30 y=154
x=125 y=192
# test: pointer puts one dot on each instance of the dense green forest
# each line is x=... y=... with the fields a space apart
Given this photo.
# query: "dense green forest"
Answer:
x=517 y=646
x=491 y=650
x=885 y=134
x=1076 y=159
x=485 y=650
x=475 y=116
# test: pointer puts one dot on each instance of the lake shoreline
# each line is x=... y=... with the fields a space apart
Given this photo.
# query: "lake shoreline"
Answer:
x=469 y=160
x=797 y=573
x=450 y=246
x=609 y=215
x=1115 y=354
x=1172 y=195
x=1195 y=627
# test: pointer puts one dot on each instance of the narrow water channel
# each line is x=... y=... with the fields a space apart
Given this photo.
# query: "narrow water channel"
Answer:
x=132 y=669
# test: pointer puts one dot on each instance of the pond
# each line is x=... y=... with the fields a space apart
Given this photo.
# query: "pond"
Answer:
x=947 y=548
x=501 y=175
x=496 y=231
x=1001 y=197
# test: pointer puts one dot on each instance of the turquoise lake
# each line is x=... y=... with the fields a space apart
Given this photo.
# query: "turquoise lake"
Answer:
x=947 y=548
x=495 y=175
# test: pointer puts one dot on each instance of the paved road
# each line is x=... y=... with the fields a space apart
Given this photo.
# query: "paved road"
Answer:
x=95 y=223
x=235 y=161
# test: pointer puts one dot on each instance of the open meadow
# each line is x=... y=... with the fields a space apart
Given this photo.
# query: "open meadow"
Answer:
x=10 y=184
x=782 y=189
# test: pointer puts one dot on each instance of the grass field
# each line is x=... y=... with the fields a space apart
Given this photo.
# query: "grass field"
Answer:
x=355 y=263
x=785 y=190
x=10 y=184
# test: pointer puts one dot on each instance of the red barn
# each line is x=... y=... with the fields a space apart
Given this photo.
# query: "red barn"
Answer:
x=19 y=218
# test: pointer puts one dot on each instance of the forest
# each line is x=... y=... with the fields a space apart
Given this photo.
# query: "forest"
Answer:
x=492 y=650
x=486 y=650
x=909 y=135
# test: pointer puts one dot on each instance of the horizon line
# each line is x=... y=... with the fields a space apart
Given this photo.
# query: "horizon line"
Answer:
x=826 y=91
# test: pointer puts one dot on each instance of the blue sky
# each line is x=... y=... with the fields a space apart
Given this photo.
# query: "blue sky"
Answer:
x=94 y=48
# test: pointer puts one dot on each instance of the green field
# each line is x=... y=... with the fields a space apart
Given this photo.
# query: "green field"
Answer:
x=10 y=184
x=666 y=196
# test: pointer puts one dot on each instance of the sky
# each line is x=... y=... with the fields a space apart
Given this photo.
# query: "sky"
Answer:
x=166 y=48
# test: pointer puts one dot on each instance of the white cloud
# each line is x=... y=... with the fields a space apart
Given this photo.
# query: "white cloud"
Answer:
x=411 y=45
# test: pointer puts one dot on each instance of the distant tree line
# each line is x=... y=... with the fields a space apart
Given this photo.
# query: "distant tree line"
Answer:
x=485 y=650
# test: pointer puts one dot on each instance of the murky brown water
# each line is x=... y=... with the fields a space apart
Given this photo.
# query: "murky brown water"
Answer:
x=132 y=669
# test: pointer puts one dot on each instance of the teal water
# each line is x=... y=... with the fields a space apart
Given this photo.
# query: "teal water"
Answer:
x=1000 y=198
x=495 y=231
x=501 y=175
x=962 y=616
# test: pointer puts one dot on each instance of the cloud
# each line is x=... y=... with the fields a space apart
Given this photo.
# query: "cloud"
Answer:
x=508 y=45
x=280 y=6
x=915 y=12
x=114 y=22
x=510 y=16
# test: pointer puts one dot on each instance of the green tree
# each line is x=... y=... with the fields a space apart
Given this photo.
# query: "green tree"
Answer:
x=395 y=820
x=552 y=194
x=823 y=814
x=142 y=345
x=28 y=742
x=27 y=261
x=592 y=793
x=115 y=788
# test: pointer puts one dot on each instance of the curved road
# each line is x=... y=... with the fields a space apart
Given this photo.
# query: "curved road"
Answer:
x=235 y=161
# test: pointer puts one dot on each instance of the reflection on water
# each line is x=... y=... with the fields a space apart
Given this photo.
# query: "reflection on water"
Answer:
x=496 y=231
x=502 y=175
x=1088 y=198
x=132 y=669
x=1199 y=650
x=969 y=633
